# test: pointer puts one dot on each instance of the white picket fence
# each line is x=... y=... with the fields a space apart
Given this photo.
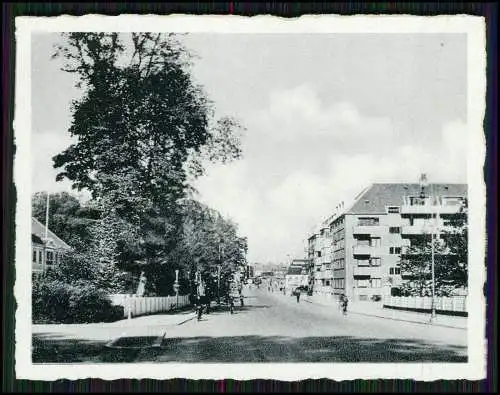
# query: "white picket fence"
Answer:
x=148 y=305
x=452 y=303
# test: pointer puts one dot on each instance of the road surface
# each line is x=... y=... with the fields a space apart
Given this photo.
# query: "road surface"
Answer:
x=272 y=327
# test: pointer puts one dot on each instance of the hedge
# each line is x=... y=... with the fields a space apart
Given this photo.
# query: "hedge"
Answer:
x=57 y=302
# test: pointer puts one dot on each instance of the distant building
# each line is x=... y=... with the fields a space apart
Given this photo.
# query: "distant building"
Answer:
x=319 y=251
x=298 y=274
x=46 y=251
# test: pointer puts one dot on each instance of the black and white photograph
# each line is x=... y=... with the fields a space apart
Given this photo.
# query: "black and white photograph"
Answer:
x=235 y=197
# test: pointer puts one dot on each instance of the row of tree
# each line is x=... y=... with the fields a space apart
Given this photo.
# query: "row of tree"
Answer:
x=144 y=132
x=107 y=252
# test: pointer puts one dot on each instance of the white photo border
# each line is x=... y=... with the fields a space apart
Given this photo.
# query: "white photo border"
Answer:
x=473 y=26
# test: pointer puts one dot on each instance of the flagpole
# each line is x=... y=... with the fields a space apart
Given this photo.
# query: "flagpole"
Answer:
x=47 y=217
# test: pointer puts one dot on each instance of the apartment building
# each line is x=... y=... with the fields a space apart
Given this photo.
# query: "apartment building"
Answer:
x=369 y=238
x=47 y=249
x=320 y=254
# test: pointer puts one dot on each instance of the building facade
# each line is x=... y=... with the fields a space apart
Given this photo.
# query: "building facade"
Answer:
x=369 y=238
x=46 y=250
x=320 y=254
x=298 y=275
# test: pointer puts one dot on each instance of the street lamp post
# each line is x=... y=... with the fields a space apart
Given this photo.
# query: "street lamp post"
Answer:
x=218 y=272
x=218 y=284
x=176 y=288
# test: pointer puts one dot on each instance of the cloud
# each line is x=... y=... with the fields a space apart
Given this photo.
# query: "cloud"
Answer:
x=293 y=177
x=44 y=145
x=299 y=116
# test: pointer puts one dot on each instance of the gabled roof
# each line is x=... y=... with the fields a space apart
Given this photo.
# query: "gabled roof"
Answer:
x=38 y=231
x=378 y=196
x=36 y=240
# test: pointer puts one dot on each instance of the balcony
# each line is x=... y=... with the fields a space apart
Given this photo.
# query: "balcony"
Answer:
x=326 y=274
x=367 y=230
x=425 y=229
x=374 y=271
x=366 y=250
x=415 y=230
x=428 y=208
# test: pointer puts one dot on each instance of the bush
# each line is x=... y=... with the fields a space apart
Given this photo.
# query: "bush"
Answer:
x=50 y=301
x=58 y=302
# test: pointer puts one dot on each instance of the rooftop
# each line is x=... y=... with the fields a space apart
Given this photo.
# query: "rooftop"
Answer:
x=38 y=235
x=378 y=196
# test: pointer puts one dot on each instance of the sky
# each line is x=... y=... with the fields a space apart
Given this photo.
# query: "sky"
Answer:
x=325 y=116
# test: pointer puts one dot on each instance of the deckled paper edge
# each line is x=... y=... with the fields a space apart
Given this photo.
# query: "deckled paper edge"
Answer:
x=473 y=26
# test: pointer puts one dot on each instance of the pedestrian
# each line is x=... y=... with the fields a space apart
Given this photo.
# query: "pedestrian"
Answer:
x=297 y=294
x=344 y=304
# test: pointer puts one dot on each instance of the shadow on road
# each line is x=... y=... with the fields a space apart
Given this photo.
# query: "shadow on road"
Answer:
x=243 y=349
x=304 y=349
x=56 y=348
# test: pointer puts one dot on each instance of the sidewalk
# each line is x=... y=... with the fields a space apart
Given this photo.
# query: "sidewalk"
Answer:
x=151 y=325
x=376 y=310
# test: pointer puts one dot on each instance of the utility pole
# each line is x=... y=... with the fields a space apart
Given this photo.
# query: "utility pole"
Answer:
x=434 y=208
x=434 y=232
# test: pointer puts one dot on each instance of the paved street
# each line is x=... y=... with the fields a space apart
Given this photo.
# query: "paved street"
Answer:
x=270 y=327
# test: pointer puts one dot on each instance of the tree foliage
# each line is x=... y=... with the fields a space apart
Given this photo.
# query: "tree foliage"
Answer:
x=141 y=115
x=143 y=130
x=450 y=260
x=68 y=218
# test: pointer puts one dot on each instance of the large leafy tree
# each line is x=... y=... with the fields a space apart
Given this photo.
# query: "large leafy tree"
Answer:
x=141 y=116
x=143 y=130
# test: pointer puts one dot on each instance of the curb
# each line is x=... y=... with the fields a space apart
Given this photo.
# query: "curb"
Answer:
x=395 y=319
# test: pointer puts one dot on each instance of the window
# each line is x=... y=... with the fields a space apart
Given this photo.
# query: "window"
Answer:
x=417 y=201
x=394 y=270
x=50 y=258
x=393 y=209
x=338 y=283
x=338 y=263
x=376 y=282
x=374 y=261
x=362 y=283
x=394 y=229
x=368 y=221
x=319 y=254
x=363 y=262
x=35 y=255
x=395 y=250
x=363 y=242
x=40 y=257
x=375 y=242
x=327 y=283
